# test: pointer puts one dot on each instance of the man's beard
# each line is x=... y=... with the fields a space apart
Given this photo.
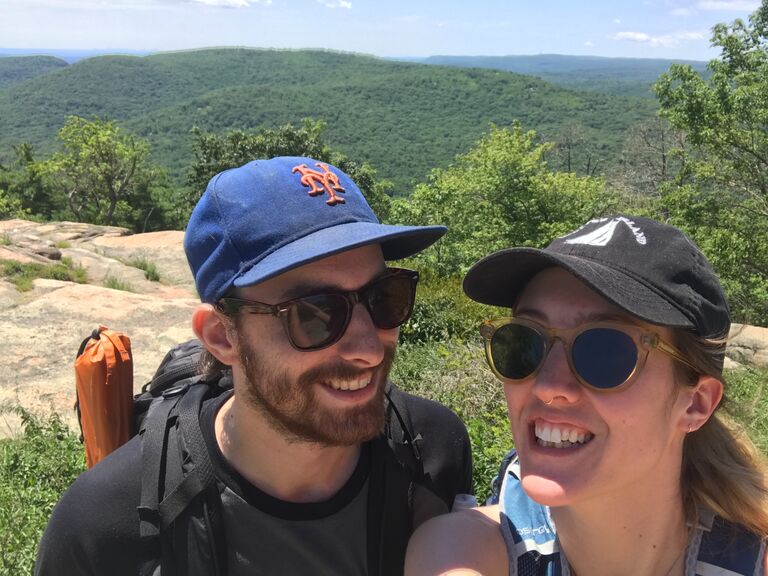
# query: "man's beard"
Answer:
x=292 y=408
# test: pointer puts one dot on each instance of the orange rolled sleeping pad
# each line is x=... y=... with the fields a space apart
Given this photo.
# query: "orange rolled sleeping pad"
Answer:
x=104 y=378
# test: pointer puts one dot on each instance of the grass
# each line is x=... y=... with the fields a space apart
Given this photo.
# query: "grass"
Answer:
x=150 y=270
x=116 y=283
x=62 y=244
x=5 y=240
x=23 y=275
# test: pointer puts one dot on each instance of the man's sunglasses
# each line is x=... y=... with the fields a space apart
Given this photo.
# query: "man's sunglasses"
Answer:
x=319 y=320
x=604 y=356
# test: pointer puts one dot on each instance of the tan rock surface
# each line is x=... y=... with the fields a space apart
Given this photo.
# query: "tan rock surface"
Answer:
x=40 y=330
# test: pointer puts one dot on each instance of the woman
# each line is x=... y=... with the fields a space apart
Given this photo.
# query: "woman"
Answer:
x=612 y=370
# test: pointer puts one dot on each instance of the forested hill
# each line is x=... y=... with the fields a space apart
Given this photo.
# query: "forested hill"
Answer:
x=14 y=70
x=404 y=118
x=617 y=76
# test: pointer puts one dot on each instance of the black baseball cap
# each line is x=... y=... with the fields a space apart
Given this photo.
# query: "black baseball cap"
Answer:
x=650 y=269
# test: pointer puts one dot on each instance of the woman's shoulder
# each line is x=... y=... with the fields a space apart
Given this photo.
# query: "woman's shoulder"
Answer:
x=467 y=542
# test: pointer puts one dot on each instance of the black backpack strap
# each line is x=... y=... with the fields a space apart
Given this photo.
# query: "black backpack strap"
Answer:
x=403 y=440
x=389 y=511
x=154 y=448
x=168 y=490
x=154 y=445
x=199 y=481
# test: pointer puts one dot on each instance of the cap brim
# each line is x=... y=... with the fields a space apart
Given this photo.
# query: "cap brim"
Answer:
x=498 y=280
x=397 y=242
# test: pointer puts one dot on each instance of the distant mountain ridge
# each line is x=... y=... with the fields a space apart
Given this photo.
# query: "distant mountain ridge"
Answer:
x=404 y=118
x=618 y=76
x=15 y=70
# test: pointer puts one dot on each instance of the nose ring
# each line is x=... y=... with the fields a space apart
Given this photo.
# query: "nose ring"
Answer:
x=550 y=401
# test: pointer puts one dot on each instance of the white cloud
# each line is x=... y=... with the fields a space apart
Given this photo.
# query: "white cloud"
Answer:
x=588 y=44
x=617 y=20
x=683 y=12
x=732 y=5
x=336 y=3
x=225 y=3
x=664 y=40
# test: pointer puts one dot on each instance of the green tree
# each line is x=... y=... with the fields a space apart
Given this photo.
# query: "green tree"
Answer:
x=27 y=189
x=500 y=194
x=103 y=172
x=720 y=193
x=214 y=153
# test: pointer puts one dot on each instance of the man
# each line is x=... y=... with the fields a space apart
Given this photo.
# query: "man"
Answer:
x=288 y=259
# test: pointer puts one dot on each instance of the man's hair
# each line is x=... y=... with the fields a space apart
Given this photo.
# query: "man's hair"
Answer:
x=210 y=367
x=722 y=468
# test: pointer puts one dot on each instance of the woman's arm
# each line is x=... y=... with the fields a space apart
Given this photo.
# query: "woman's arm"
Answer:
x=465 y=543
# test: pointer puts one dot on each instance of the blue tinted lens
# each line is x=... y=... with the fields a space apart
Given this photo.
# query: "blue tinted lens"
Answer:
x=604 y=357
x=517 y=351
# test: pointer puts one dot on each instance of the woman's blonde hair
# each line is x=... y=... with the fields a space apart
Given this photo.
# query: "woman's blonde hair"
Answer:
x=722 y=468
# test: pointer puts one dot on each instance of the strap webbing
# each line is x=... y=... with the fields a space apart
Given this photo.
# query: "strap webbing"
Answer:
x=154 y=440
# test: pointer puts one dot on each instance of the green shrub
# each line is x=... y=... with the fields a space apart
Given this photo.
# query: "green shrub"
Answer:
x=442 y=312
x=117 y=284
x=455 y=375
x=747 y=392
x=24 y=274
x=35 y=469
x=150 y=270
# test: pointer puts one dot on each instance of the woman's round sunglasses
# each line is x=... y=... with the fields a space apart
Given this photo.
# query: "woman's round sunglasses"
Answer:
x=319 y=320
x=604 y=356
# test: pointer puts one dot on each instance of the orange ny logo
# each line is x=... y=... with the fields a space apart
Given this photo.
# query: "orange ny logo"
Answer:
x=319 y=182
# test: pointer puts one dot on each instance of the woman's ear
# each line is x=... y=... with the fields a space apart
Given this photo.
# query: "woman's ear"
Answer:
x=704 y=397
x=215 y=332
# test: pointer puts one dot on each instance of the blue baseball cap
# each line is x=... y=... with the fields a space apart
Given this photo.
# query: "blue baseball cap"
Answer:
x=270 y=216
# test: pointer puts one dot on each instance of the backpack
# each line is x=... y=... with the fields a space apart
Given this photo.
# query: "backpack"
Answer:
x=412 y=478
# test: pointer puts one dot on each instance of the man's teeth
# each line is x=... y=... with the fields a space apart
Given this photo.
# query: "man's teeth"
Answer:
x=349 y=384
x=560 y=437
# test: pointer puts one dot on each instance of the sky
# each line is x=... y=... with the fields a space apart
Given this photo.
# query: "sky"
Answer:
x=675 y=29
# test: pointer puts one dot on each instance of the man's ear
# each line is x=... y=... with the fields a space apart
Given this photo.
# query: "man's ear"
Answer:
x=704 y=398
x=215 y=333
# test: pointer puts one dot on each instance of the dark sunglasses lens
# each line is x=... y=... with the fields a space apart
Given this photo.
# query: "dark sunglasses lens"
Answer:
x=390 y=301
x=316 y=321
x=604 y=357
x=517 y=351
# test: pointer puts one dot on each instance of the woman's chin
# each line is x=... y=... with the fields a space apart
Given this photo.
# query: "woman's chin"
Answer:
x=545 y=491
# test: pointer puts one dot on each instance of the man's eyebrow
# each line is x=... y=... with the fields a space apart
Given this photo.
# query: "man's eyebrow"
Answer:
x=308 y=289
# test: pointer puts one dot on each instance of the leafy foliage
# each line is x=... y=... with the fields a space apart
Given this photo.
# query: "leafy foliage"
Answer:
x=454 y=374
x=27 y=190
x=500 y=194
x=442 y=313
x=35 y=469
x=720 y=195
x=214 y=153
x=102 y=170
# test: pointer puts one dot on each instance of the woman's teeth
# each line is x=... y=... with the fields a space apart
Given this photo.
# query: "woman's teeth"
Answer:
x=560 y=437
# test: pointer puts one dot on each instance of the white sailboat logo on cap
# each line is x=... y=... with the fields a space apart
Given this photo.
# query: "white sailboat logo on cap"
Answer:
x=602 y=235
